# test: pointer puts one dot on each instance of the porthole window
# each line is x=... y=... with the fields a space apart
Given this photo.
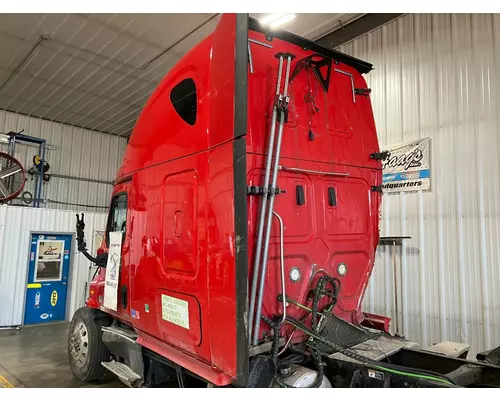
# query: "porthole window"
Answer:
x=183 y=98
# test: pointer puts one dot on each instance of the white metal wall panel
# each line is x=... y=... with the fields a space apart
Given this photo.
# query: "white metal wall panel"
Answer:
x=16 y=223
x=438 y=75
x=78 y=152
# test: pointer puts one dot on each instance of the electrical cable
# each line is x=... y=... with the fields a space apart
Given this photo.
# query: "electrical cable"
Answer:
x=74 y=204
x=319 y=292
x=407 y=371
x=310 y=101
x=419 y=376
x=95 y=272
x=309 y=310
x=30 y=200
x=287 y=343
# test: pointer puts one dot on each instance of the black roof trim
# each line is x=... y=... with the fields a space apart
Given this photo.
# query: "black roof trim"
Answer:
x=362 y=66
x=123 y=179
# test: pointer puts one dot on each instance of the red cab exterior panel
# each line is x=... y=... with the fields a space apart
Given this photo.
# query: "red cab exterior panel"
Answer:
x=190 y=225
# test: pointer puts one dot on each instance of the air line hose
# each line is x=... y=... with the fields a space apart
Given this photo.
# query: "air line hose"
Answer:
x=367 y=362
x=318 y=293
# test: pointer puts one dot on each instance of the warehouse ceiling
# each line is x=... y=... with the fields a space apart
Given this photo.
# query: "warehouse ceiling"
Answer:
x=96 y=71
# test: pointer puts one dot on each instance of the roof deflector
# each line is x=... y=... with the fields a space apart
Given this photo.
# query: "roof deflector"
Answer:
x=362 y=66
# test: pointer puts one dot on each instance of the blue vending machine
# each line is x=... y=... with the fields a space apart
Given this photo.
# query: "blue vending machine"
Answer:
x=47 y=278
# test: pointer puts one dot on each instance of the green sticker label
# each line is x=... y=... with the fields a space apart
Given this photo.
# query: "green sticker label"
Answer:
x=175 y=310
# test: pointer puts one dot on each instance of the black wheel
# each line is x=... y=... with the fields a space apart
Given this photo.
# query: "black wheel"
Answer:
x=85 y=347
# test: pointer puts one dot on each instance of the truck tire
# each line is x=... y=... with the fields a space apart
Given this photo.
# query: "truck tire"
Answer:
x=86 y=349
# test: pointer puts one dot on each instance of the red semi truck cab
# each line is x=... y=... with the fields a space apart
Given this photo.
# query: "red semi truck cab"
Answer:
x=188 y=199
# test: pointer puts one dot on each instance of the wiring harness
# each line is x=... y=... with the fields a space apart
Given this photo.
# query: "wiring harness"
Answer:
x=327 y=286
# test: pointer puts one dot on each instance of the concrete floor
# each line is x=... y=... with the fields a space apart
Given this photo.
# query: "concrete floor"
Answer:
x=37 y=357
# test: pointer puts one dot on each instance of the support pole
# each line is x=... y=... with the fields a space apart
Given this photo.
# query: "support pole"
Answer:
x=262 y=213
x=282 y=109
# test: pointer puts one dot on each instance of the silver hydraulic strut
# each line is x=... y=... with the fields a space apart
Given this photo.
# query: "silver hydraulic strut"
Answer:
x=260 y=225
x=282 y=108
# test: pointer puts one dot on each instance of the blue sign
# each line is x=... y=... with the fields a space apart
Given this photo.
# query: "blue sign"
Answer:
x=407 y=167
x=47 y=279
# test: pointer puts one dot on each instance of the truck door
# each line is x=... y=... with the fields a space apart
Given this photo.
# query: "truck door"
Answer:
x=118 y=221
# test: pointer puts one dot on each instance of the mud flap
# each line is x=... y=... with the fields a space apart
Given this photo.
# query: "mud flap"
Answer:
x=262 y=371
x=490 y=357
x=341 y=333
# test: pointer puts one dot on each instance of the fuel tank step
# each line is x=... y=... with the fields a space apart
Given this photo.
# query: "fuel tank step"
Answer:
x=124 y=372
x=125 y=333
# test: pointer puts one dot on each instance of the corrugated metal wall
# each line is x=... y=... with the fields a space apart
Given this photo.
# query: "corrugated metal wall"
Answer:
x=15 y=226
x=78 y=152
x=439 y=76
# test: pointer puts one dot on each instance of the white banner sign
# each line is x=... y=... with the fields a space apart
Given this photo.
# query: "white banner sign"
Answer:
x=113 y=271
x=407 y=168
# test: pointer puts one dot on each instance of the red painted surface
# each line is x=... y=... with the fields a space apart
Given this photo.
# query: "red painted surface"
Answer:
x=377 y=322
x=186 y=360
x=180 y=235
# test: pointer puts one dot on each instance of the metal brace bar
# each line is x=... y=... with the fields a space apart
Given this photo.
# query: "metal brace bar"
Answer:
x=311 y=171
x=250 y=58
x=352 y=82
x=250 y=61
x=263 y=208
x=180 y=377
x=260 y=43
x=282 y=264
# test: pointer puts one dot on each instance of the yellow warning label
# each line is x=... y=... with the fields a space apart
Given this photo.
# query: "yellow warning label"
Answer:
x=34 y=285
x=53 y=298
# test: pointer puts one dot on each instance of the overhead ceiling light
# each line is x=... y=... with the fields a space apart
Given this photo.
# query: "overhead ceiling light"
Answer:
x=275 y=20
x=270 y=18
x=283 y=20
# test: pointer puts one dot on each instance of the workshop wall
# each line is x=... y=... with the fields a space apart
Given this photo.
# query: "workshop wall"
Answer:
x=16 y=223
x=90 y=158
x=438 y=75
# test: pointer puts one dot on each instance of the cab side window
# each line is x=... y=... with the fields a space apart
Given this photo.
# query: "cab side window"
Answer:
x=183 y=98
x=117 y=219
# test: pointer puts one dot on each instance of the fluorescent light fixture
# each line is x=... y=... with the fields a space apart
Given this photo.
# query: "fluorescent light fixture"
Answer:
x=275 y=20
x=283 y=20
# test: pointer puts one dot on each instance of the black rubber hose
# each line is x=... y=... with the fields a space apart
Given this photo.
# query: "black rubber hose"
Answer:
x=276 y=344
x=276 y=338
x=100 y=260
x=319 y=291
x=95 y=273
x=292 y=359
x=362 y=359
